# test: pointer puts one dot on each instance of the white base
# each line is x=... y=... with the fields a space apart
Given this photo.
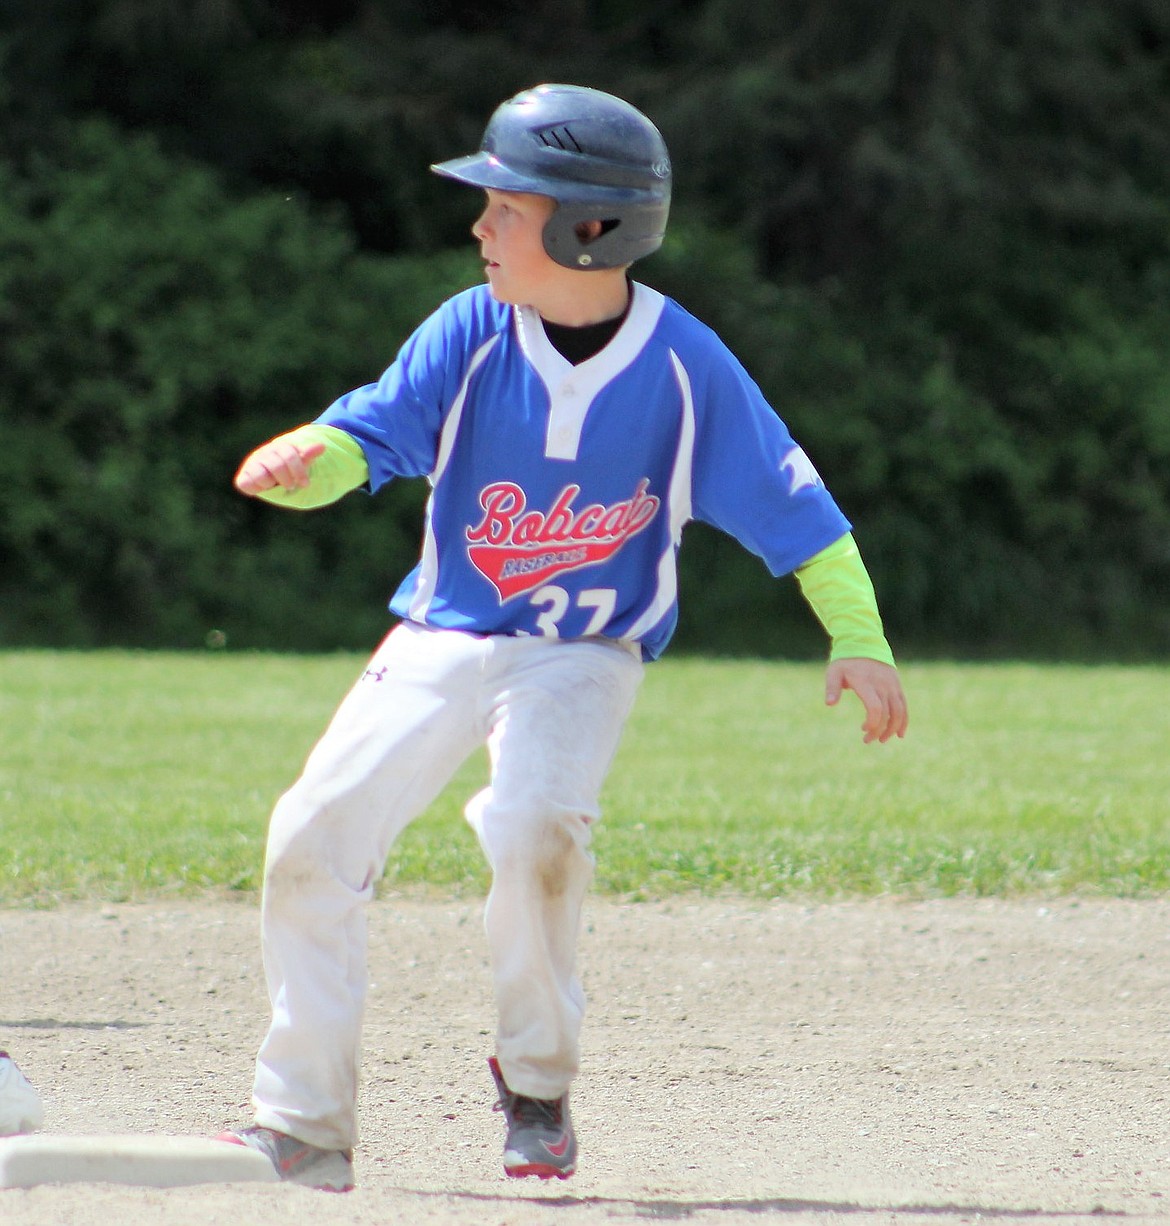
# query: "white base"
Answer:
x=147 y=1162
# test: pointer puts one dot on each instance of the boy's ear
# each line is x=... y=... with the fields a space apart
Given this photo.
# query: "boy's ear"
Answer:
x=587 y=231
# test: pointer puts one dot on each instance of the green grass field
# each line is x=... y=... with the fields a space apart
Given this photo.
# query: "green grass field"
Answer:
x=130 y=776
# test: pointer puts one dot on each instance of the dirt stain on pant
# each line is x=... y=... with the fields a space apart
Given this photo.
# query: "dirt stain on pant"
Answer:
x=553 y=854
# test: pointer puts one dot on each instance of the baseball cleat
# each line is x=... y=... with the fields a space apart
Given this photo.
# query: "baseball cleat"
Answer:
x=328 y=1170
x=20 y=1105
x=540 y=1138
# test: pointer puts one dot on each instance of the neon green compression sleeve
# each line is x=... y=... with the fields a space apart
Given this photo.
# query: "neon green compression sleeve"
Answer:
x=341 y=467
x=837 y=586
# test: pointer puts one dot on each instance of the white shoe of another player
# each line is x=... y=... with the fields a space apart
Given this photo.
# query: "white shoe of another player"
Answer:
x=20 y=1105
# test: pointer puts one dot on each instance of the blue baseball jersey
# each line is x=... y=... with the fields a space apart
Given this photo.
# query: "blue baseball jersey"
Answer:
x=558 y=492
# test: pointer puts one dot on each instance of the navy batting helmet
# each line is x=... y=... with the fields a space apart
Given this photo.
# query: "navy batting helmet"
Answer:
x=598 y=157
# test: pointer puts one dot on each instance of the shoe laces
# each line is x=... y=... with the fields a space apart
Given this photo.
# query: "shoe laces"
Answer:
x=524 y=1110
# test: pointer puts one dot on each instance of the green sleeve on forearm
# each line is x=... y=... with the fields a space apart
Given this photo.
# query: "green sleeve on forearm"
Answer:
x=837 y=586
x=341 y=467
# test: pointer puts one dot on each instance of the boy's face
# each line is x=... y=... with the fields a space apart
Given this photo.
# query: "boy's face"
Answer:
x=509 y=233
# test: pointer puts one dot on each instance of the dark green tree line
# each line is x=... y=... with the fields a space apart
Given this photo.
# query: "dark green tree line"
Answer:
x=936 y=233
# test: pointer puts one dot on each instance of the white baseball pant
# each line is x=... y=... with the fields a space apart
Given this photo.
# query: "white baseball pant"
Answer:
x=551 y=713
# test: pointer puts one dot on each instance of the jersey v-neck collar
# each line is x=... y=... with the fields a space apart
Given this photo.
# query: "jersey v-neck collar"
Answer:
x=572 y=389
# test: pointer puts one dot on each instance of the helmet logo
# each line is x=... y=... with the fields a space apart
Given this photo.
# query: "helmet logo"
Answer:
x=558 y=137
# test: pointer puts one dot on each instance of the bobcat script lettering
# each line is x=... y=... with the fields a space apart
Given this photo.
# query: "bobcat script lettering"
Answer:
x=517 y=550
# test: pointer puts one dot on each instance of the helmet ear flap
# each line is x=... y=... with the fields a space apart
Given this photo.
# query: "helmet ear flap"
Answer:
x=620 y=240
x=587 y=233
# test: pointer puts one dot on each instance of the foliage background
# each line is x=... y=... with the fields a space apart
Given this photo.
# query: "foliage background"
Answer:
x=936 y=233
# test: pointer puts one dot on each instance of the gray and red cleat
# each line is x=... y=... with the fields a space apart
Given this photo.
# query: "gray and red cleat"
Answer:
x=540 y=1138
x=329 y=1170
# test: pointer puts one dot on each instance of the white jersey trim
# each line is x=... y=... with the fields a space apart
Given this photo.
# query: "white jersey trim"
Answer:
x=429 y=562
x=572 y=389
x=679 y=505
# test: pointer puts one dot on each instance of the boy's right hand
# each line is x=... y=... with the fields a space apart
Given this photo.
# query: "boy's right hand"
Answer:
x=282 y=462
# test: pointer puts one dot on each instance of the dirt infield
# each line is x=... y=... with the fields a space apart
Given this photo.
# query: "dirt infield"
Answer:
x=864 y=1061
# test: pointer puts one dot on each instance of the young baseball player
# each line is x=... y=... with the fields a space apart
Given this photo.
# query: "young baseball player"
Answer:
x=20 y=1105
x=569 y=421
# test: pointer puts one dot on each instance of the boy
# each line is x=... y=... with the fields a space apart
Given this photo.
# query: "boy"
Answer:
x=569 y=422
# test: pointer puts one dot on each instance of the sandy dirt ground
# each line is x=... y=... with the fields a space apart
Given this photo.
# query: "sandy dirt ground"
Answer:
x=932 y=1062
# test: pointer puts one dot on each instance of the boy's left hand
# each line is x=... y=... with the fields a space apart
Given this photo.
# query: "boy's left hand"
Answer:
x=880 y=691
